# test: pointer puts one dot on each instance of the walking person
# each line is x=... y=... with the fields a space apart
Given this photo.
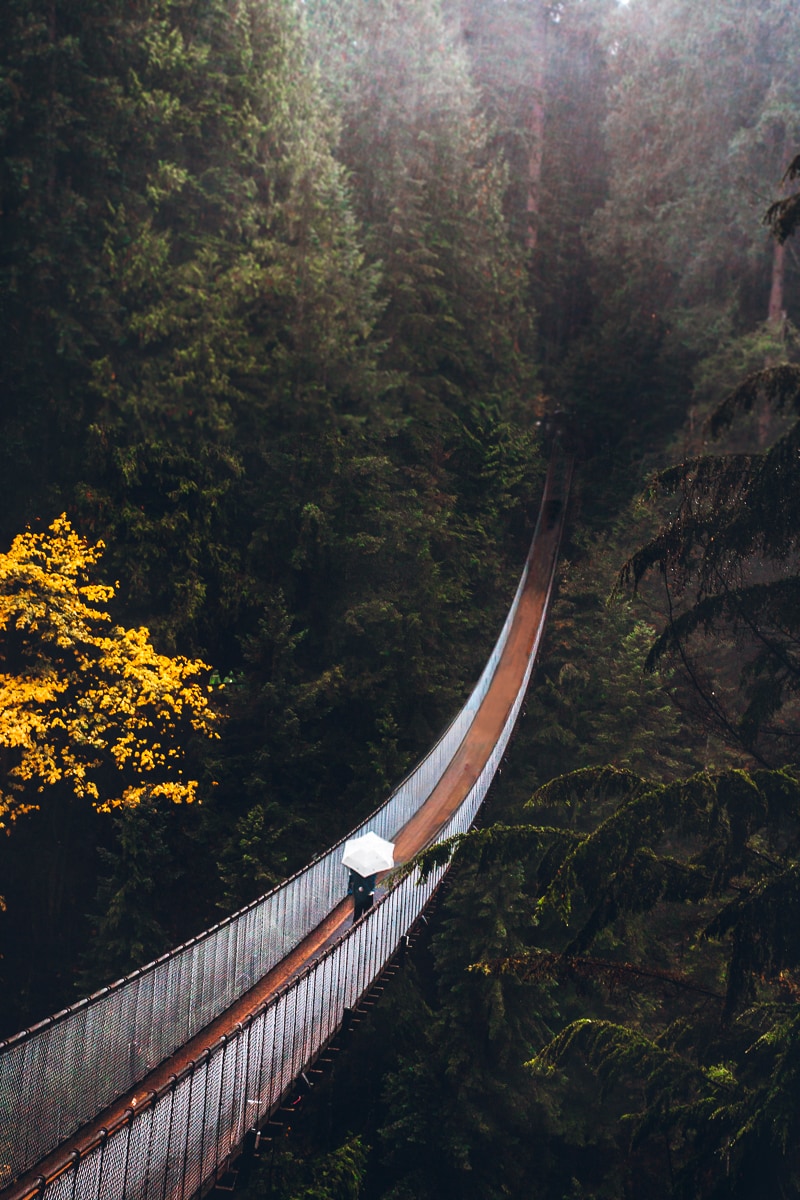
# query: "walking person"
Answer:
x=366 y=857
x=362 y=889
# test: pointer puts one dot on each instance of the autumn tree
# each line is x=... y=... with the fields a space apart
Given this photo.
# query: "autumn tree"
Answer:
x=85 y=705
x=92 y=719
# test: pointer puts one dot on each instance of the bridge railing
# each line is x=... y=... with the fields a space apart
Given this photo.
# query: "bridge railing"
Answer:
x=59 y=1075
x=180 y=1139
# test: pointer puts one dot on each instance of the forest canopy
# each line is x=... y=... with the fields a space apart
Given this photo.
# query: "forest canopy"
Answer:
x=292 y=296
x=86 y=705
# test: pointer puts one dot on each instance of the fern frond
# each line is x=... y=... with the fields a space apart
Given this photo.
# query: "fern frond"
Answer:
x=783 y=217
x=617 y=870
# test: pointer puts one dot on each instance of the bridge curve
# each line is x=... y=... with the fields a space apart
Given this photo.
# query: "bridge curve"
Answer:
x=148 y=1088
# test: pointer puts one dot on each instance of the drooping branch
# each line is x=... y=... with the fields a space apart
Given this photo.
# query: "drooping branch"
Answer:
x=783 y=217
x=495 y=844
x=537 y=965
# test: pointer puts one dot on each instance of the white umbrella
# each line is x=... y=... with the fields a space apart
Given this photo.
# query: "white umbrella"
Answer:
x=368 y=854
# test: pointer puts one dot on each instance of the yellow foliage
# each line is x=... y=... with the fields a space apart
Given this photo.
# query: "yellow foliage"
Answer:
x=84 y=704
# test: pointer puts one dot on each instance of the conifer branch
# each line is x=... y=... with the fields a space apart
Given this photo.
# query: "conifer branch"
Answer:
x=711 y=704
x=536 y=965
x=494 y=844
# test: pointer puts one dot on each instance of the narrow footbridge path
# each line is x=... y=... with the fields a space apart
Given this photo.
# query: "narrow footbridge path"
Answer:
x=148 y=1089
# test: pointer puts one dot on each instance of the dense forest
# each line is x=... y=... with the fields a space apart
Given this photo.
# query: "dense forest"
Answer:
x=290 y=294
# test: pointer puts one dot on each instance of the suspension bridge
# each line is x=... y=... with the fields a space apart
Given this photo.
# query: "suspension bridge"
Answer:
x=149 y=1089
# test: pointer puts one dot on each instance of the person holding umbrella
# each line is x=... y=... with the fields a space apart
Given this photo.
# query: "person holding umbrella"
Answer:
x=362 y=889
x=366 y=856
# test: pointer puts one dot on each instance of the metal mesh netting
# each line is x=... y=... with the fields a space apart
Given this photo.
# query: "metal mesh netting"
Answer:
x=87 y=1177
x=61 y=1188
x=115 y=1161
x=190 y=1180
x=173 y=1110
x=228 y=1096
x=159 y=1154
x=138 y=1157
x=213 y=1128
x=263 y=1094
x=59 y=1075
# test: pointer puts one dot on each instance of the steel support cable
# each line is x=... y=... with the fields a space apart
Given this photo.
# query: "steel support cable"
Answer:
x=111 y=1146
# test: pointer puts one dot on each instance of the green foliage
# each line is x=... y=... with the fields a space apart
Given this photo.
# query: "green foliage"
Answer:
x=698 y=880
x=594 y=702
x=284 y=386
x=430 y=191
x=483 y=848
x=338 y=1175
x=459 y=1096
x=721 y=373
x=257 y=329
x=263 y=327
x=732 y=539
x=702 y=109
x=250 y=864
x=574 y=185
x=132 y=925
x=783 y=215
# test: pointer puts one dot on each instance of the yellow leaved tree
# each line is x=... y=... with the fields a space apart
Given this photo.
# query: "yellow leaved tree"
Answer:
x=85 y=704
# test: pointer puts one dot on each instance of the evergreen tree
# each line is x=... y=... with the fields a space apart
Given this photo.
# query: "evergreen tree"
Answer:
x=459 y=1095
x=509 y=46
x=672 y=918
x=732 y=538
x=594 y=701
x=574 y=180
x=782 y=215
x=181 y=267
x=702 y=112
x=429 y=187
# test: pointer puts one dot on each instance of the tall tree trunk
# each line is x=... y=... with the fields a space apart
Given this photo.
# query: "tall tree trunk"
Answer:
x=776 y=313
x=535 y=123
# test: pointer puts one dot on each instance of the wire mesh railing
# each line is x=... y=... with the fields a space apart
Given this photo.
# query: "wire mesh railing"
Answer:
x=58 y=1076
